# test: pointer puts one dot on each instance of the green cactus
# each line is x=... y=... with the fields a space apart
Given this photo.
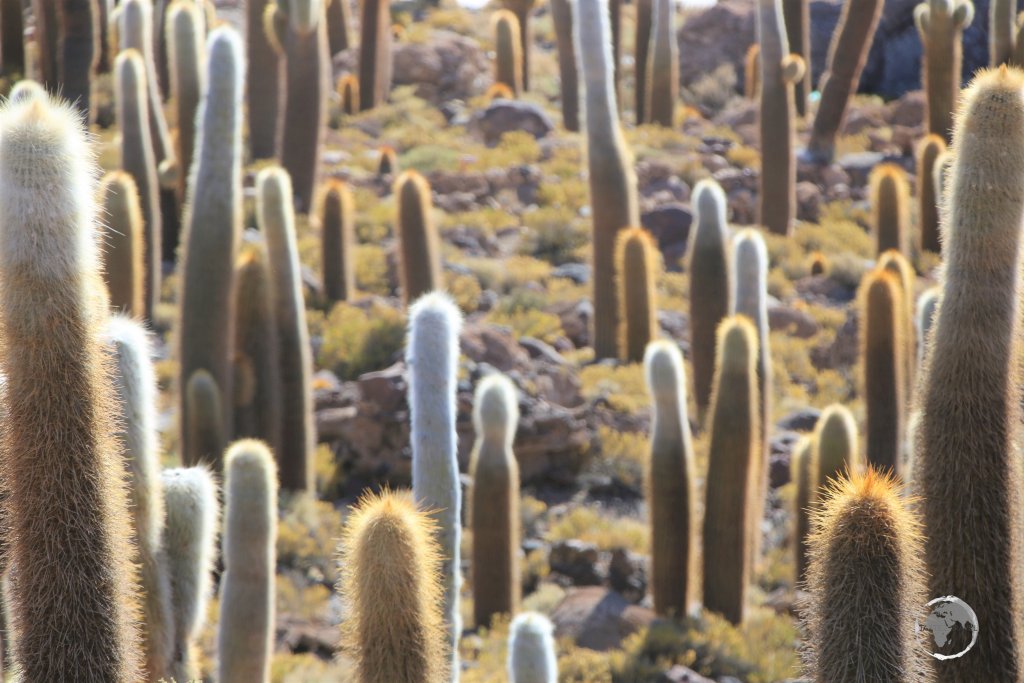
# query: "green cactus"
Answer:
x=245 y=633
x=213 y=225
x=568 y=81
x=732 y=456
x=47 y=37
x=374 y=53
x=642 y=45
x=941 y=24
x=508 y=56
x=846 y=57
x=927 y=305
x=1002 y=23
x=899 y=266
x=204 y=440
x=663 y=72
x=339 y=21
x=865 y=559
x=531 y=649
x=78 y=50
x=264 y=75
x=890 y=208
x=338 y=240
x=523 y=9
x=836 y=448
x=780 y=70
x=670 y=484
x=613 y=190
x=348 y=91
x=494 y=500
x=12 y=40
x=636 y=264
x=391 y=585
x=419 y=248
x=186 y=52
x=928 y=151
x=803 y=473
x=797 y=17
x=124 y=270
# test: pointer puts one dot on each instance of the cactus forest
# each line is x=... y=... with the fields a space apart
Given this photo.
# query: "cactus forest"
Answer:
x=511 y=341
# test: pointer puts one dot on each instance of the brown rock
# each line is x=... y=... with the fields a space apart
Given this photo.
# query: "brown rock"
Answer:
x=598 y=618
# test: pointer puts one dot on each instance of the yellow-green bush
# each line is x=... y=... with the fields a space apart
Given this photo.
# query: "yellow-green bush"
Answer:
x=356 y=341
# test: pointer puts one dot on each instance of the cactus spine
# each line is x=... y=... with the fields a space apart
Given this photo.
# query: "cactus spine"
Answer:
x=928 y=151
x=797 y=17
x=391 y=583
x=494 y=500
x=846 y=57
x=212 y=227
x=941 y=24
x=613 y=191
x=186 y=44
x=927 y=304
x=1002 y=24
x=966 y=465
x=709 y=285
x=124 y=269
x=663 y=73
x=636 y=264
x=12 y=40
x=339 y=19
x=561 y=15
x=79 y=52
x=779 y=72
x=190 y=544
x=418 y=243
x=432 y=355
x=264 y=73
x=508 y=49
x=338 y=240
x=883 y=367
x=731 y=485
x=374 y=53
x=670 y=484
x=803 y=472
x=642 y=45
x=246 y=629
x=531 y=650
x=70 y=524
x=836 y=449
x=136 y=391
x=890 y=208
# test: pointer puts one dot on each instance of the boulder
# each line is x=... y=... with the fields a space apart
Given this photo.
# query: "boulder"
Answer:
x=445 y=67
x=504 y=116
x=598 y=618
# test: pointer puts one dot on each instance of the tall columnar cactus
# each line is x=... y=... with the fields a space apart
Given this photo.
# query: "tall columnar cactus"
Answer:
x=531 y=650
x=419 y=246
x=642 y=45
x=339 y=22
x=1002 y=24
x=298 y=434
x=190 y=545
x=257 y=374
x=391 y=583
x=338 y=240
x=523 y=9
x=731 y=485
x=204 y=438
x=941 y=24
x=561 y=15
x=12 y=40
x=898 y=265
x=663 y=74
x=47 y=35
x=836 y=447
x=70 y=525
x=348 y=91
x=264 y=75
x=124 y=269
x=615 y=24
x=1017 y=58
x=432 y=354
x=846 y=57
x=967 y=468
x=670 y=484
x=636 y=266
x=212 y=227
x=374 y=53
x=882 y=369
x=79 y=51
x=709 y=285
x=245 y=632
x=135 y=32
x=613 y=190
x=752 y=72
x=508 y=51
x=803 y=473
x=136 y=393
x=928 y=151
x=797 y=17
x=186 y=53
x=780 y=70
x=890 y=208
x=494 y=500
x=927 y=304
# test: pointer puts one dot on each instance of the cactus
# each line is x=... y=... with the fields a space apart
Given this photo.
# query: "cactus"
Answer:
x=1017 y=57
x=419 y=249
x=802 y=472
x=670 y=484
x=531 y=650
x=709 y=285
x=752 y=72
x=846 y=57
x=967 y=468
x=135 y=32
x=890 y=208
x=256 y=351
x=642 y=45
x=78 y=48
x=780 y=70
x=391 y=583
x=1002 y=24
x=12 y=40
x=190 y=545
x=882 y=368
x=732 y=456
x=797 y=17
x=615 y=25
x=522 y=10
x=927 y=304
x=508 y=55
x=26 y=89
x=494 y=500
x=613 y=190
x=213 y=223
x=204 y=440
x=836 y=449
x=867 y=585
x=348 y=90
x=374 y=53
x=136 y=392
x=123 y=270
x=298 y=435
x=636 y=266
x=338 y=240
x=819 y=264
x=663 y=77
x=941 y=24
x=568 y=81
x=339 y=19
x=898 y=265
x=186 y=52
x=928 y=151
x=432 y=355
x=264 y=74
x=47 y=35
x=245 y=633
x=943 y=162
x=388 y=163
x=70 y=524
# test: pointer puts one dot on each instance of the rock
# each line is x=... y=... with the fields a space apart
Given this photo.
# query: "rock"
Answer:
x=385 y=388
x=445 y=67
x=576 y=560
x=552 y=442
x=843 y=350
x=908 y=110
x=448 y=182
x=330 y=423
x=599 y=619
x=792 y=321
x=802 y=420
x=627 y=575
x=299 y=636
x=559 y=385
x=808 y=202
x=494 y=345
x=670 y=226
x=541 y=350
x=504 y=116
x=681 y=674
x=722 y=33
x=780 y=449
x=858 y=166
x=579 y=273
x=575 y=318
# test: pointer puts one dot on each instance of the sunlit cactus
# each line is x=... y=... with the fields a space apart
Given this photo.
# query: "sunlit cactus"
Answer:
x=531 y=650
x=637 y=262
x=123 y=264
x=508 y=51
x=941 y=24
